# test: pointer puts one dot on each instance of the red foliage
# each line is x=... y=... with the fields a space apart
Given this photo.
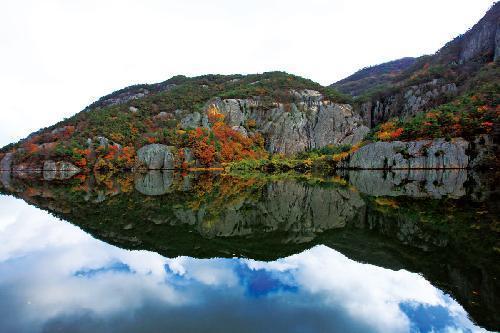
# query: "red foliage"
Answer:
x=82 y=163
x=31 y=148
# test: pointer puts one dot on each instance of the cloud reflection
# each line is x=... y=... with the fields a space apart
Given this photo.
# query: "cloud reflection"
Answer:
x=53 y=276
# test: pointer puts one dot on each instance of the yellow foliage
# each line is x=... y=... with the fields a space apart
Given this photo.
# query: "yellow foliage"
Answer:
x=340 y=156
x=386 y=202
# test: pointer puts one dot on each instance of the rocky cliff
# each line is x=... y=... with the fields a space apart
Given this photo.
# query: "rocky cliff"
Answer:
x=425 y=154
x=407 y=102
x=407 y=86
x=309 y=122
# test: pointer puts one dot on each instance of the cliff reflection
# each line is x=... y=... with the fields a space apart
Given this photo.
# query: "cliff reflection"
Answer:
x=57 y=278
x=442 y=224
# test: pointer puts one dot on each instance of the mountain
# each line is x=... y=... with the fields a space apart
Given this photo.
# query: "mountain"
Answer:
x=201 y=121
x=368 y=78
x=212 y=120
x=403 y=88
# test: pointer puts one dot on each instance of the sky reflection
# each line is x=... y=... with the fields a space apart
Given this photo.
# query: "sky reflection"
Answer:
x=55 y=277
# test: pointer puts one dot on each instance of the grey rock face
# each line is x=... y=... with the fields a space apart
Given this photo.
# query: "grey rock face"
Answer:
x=188 y=155
x=6 y=163
x=309 y=122
x=424 y=154
x=497 y=44
x=480 y=40
x=407 y=103
x=155 y=182
x=66 y=169
x=5 y=180
x=240 y=129
x=156 y=156
x=49 y=170
x=59 y=170
x=190 y=121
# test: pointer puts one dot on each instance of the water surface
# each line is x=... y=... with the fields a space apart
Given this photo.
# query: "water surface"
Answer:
x=356 y=252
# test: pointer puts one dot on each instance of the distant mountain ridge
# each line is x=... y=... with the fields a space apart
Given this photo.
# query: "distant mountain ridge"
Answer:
x=479 y=45
x=372 y=76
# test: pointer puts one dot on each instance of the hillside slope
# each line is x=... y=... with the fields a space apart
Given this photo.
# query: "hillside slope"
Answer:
x=373 y=77
x=201 y=121
x=465 y=66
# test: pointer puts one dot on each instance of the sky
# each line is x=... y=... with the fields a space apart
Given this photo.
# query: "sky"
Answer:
x=58 y=56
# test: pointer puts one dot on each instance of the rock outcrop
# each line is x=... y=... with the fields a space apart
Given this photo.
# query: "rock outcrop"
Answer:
x=191 y=121
x=59 y=170
x=6 y=162
x=406 y=103
x=156 y=156
x=307 y=123
x=482 y=39
x=423 y=154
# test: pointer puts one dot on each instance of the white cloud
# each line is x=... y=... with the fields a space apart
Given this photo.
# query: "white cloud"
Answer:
x=41 y=257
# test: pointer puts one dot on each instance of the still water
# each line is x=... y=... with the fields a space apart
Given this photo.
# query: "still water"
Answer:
x=164 y=252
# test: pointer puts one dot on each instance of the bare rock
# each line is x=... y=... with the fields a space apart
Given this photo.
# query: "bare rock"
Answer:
x=6 y=163
x=423 y=154
x=156 y=156
x=59 y=170
x=191 y=121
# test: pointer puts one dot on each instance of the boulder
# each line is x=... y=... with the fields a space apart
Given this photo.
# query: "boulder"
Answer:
x=6 y=163
x=156 y=156
x=189 y=159
x=423 y=154
x=191 y=121
x=66 y=169
x=240 y=129
x=59 y=170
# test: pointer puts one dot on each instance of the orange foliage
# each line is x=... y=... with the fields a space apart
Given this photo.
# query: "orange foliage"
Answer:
x=81 y=163
x=389 y=131
x=214 y=115
x=112 y=152
x=31 y=148
x=126 y=156
x=223 y=144
x=117 y=137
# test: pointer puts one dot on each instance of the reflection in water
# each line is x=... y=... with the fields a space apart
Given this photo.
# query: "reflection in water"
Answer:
x=442 y=224
x=54 y=277
x=414 y=183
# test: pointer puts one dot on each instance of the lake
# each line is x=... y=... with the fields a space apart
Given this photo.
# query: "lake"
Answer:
x=357 y=251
